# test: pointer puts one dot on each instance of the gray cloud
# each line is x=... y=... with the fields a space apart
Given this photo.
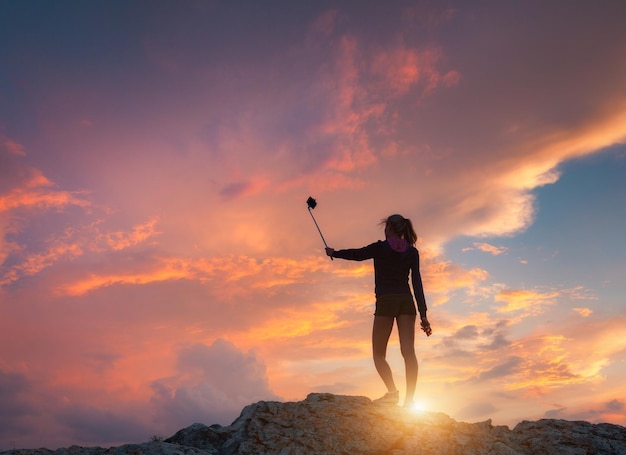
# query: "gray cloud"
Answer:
x=558 y=413
x=476 y=411
x=235 y=189
x=503 y=369
x=14 y=403
x=95 y=425
x=615 y=405
x=213 y=384
x=468 y=332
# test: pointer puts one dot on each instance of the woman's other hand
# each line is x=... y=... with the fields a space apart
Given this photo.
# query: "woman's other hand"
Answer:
x=426 y=327
x=330 y=251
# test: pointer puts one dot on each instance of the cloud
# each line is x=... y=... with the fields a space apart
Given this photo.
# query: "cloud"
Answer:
x=323 y=26
x=68 y=246
x=526 y=302
x=531 y=302
x=615 y=405
x=442 y=277
x=14 y=390
x=475 y=410
x=534 y=365
x=400 y=69
x=11 y=147
x=467 y=332
x=88 y=424
x=559 y=413
x=487 y=248
x=27 y=195
x=584 y=312
x=212 y=384
x=36 y=192
x=548 y=364
x=120 y=240
x=236 y=275
x=235 y=189
x=595 y=413
x=509 y=367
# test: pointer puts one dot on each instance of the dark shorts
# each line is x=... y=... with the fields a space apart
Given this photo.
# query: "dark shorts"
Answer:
x=394 y=305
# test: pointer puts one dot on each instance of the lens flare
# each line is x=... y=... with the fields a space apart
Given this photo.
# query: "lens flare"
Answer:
x=418 y=407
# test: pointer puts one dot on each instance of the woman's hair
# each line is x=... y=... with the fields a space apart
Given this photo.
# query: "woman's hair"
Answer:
x=402 y=227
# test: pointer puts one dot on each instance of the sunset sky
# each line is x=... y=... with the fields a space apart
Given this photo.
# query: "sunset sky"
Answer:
x=158 y=266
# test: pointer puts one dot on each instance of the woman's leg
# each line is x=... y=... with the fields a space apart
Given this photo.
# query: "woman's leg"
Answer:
x=406 y=331
x=380 y=337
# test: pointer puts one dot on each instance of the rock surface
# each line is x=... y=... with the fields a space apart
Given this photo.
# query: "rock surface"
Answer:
x=333 y=424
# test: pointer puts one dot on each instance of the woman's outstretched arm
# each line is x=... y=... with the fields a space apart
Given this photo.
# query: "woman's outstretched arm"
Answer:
x=354 y=254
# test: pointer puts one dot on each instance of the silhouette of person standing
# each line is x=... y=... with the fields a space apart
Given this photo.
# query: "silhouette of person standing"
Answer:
x=394 y=258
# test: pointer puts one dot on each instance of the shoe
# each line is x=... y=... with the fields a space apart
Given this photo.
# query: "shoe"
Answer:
x=389 y=398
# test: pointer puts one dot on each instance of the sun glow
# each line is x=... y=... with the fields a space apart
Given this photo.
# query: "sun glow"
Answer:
x=418 y=407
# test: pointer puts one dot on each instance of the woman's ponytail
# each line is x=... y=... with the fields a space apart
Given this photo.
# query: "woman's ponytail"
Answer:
x=409 y=233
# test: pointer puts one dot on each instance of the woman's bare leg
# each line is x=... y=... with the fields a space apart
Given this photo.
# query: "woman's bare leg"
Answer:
x=406 y=331
x=380 y=337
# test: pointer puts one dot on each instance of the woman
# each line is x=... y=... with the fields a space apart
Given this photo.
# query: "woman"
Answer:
x=393 y=259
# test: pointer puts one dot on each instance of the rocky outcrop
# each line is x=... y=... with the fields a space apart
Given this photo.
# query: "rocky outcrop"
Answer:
x=333 y=424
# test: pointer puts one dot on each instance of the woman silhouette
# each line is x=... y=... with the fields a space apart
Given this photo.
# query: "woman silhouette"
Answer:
x=394 y=258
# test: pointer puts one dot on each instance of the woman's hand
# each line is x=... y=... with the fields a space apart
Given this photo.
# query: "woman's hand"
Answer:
x=426 y=327
x=330 y=251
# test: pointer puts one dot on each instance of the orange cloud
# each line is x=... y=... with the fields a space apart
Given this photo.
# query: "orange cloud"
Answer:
x=533 y=164
x=72 y=243
x=443 y=277
x=584 y=312
x=521 y=299
x=235 y=275
x=32 y=194
x=535 y=302
x=548 y=362
x=35 y=263
x=540 y=364
x=296 y=323
x=32 y=191
x=487 y=248
x=167 y=271
x=120 y=240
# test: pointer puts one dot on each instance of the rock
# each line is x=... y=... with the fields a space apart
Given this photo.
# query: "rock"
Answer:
x=148 y=448
x=326 y=423
x=575 y=438
x=332 y=424
x=200 y=436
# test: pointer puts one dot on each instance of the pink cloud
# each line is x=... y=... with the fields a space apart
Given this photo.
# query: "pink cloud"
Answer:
x=324 y=26
x=121 y=240
x=11 y=147
x=36 y=193
x=401 y=69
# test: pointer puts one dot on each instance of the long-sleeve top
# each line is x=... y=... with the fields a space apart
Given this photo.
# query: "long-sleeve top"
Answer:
x=391 y=270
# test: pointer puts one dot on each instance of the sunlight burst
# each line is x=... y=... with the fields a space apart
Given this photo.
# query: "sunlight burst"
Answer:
x=418 y=407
